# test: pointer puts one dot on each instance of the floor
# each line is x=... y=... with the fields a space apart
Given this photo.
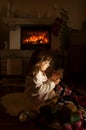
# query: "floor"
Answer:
x=11 y=123
x=8 y=122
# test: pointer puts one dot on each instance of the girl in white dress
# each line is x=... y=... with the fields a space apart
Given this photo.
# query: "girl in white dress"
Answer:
x=38 y=87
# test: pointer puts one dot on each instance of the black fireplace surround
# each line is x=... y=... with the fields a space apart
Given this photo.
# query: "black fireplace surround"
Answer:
x=35 y=36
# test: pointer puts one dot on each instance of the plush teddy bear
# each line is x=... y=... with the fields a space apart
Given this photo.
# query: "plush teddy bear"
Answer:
x=58 y=74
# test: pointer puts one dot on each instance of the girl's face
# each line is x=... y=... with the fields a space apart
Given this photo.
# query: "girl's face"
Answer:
x=44 y=65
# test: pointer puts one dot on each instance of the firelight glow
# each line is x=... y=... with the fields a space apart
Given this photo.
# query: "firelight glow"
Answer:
x=37 y=38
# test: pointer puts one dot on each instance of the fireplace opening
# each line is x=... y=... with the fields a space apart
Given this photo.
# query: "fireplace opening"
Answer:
x=35 y=36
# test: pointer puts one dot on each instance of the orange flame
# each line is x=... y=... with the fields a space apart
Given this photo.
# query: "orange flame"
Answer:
x=37 y=38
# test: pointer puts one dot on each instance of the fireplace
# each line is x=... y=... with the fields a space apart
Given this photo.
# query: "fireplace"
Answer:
x=35 y=36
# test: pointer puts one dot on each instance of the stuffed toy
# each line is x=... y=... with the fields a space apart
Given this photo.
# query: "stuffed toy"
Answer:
x=58 y=74
x=61 y=89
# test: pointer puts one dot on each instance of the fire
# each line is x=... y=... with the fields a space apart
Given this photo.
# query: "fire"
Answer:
x=37 y=38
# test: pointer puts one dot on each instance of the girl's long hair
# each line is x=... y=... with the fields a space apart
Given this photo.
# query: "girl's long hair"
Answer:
x=37 y=57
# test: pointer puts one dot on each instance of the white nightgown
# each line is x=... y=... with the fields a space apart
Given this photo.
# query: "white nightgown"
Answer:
x=36 y=89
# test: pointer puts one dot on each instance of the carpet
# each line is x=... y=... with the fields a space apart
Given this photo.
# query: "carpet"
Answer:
x=13 y=85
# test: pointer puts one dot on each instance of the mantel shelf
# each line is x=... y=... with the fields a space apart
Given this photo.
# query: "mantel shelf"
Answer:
x=19 y=21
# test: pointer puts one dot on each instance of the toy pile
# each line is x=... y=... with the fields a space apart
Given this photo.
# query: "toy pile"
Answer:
x=69 y=113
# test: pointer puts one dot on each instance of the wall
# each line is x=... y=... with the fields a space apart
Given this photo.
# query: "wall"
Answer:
x=15 y=33
x=77 y=63
x=14 y=38
x=45 y=8
x=42 y=9
x=12 y=54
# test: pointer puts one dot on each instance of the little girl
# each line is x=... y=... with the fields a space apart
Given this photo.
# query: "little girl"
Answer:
x=38 y=87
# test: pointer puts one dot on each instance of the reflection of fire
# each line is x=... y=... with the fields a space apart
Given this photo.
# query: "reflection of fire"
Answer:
x=36 y=38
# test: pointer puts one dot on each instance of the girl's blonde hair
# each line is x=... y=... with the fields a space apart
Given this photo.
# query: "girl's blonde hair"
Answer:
x=38 y=57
